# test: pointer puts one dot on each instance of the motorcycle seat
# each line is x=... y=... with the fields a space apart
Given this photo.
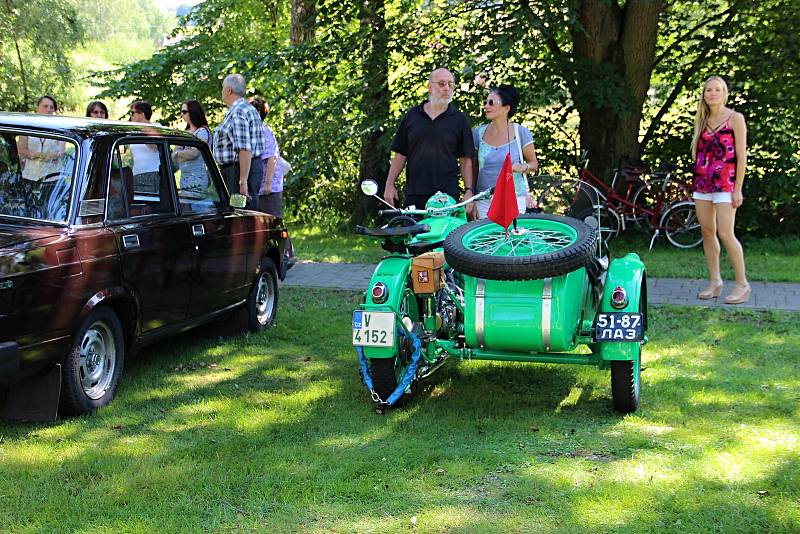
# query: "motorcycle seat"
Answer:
x=421 y=247
x=397 y=231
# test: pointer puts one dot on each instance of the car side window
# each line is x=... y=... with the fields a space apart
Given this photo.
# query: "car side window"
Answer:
x=197 y=190
x=138 y=185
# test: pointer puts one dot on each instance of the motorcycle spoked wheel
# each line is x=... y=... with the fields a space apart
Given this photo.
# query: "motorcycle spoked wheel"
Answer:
x=388 y=372
x=541 y=246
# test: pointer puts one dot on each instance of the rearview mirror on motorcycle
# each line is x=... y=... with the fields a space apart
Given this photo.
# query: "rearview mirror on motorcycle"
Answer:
x=370 y=188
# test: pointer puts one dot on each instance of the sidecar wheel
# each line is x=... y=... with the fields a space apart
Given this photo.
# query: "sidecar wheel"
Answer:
x=541 y=246
x=626 y=385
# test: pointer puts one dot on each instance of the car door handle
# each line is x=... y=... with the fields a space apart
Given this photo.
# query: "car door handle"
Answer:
x=198 y=230
x=130 y=241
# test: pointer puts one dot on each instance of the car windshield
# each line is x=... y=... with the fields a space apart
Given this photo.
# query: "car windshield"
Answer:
x=36 y=176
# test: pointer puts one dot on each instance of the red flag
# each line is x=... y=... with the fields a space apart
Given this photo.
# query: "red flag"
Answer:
x=503 y=209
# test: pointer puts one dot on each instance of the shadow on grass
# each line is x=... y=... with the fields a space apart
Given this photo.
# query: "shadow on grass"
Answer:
x=281 y=433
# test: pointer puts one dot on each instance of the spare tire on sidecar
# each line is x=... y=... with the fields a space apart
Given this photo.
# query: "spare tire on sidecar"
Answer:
x=540 y=246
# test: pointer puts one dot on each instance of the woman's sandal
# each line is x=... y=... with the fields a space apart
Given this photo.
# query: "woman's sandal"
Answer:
x=713 y=290
x=739 y=295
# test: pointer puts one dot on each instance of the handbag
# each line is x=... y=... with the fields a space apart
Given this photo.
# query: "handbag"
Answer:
x=521 y=158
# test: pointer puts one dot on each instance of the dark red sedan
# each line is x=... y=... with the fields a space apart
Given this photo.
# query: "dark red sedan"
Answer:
x=114 y=235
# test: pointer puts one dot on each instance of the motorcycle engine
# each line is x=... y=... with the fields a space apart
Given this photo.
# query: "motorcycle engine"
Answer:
x=448 y=316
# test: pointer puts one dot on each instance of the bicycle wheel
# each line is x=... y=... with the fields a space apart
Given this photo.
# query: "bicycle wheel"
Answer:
x=541 y=246
x=653 y=196
x=681 y=226
x=645 y=200
x=609 y=224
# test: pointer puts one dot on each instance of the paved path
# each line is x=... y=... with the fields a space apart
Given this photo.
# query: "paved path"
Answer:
x=774 y=296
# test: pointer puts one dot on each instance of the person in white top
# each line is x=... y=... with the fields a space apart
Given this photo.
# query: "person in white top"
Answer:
x=496 y=139
x=40 y=155
x=146 y=160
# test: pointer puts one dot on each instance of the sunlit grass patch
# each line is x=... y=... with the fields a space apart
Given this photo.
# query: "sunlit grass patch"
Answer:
x=276 y=431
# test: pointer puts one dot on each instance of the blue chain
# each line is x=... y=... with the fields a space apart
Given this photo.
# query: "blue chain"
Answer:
x=408 y=377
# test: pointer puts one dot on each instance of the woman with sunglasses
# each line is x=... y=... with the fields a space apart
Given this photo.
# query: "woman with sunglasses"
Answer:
x=496 y=139
x=189 y=160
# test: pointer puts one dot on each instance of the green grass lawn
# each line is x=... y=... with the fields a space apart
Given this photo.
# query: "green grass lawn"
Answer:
x=769 y=260
x=275 y=433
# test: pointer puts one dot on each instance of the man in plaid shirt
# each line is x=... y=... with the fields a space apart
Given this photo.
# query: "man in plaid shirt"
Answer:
x=239 y=142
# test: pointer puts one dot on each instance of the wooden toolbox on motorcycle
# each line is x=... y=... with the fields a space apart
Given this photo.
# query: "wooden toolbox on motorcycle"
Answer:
x=426 y=272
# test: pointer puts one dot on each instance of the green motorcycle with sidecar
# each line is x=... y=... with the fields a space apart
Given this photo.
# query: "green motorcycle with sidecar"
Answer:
x=450 y=288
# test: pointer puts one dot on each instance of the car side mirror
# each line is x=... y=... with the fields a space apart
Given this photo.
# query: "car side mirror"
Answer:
x=238 y=201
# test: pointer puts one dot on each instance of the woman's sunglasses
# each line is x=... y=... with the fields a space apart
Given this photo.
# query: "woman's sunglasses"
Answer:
x=493 y=102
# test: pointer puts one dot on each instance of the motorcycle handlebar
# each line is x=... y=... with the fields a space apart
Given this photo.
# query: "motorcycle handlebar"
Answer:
x=392 y=213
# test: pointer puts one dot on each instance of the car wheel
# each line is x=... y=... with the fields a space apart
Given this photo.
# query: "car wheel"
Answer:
x=626 y=384
x=540 y=246
x=262 y=304
x=93 y=367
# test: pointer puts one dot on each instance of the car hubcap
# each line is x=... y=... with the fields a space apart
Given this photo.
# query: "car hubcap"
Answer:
x=97 y=360
x=265 y=299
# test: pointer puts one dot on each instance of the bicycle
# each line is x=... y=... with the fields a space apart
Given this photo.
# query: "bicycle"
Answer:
x=659 y=204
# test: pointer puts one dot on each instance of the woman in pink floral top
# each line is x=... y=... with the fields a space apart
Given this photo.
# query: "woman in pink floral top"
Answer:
x=719 y=148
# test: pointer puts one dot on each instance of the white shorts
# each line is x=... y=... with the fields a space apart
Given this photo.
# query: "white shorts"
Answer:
x=716 y=198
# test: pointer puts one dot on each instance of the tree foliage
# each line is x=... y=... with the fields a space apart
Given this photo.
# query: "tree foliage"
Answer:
x=34 y=59
x=618 y=77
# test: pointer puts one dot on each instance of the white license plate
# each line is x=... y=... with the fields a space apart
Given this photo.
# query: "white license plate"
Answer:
x=373 y=329
x=618 y=326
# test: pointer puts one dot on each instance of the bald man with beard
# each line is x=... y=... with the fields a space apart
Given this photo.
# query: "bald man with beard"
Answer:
x=433 y=142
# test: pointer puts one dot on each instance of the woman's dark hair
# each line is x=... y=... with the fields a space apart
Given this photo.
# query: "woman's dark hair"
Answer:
x=261 y=106
x=509 y=95
x=53 y=100
x=196 y=114
x=96 y=104
x=143 y=106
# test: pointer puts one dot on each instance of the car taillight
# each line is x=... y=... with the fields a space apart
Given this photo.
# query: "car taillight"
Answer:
x=619 y=298
x=379 y=293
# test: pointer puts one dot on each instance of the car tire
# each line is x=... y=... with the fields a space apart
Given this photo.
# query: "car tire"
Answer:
x=262 y=303
x=545 y=246
x=92 y=369
x=626 y=384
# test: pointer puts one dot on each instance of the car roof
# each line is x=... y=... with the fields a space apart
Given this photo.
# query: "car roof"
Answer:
x=85 y=127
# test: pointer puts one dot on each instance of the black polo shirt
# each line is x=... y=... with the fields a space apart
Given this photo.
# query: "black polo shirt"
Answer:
x=432 y=149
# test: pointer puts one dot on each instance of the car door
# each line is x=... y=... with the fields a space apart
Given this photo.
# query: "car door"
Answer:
x=155 y=243
x=220 y=274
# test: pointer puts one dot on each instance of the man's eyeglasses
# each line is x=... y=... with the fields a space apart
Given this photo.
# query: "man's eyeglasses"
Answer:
x=184 y=111
x=443 y=84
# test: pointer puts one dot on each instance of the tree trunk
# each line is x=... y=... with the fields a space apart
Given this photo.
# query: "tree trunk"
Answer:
x=616 y=49
x=374 y=160
x=304 y=21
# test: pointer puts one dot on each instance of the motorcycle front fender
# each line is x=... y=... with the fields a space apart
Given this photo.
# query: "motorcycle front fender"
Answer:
x=394 y=273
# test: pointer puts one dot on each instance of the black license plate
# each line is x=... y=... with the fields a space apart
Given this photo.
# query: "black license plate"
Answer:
x=618 y=326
